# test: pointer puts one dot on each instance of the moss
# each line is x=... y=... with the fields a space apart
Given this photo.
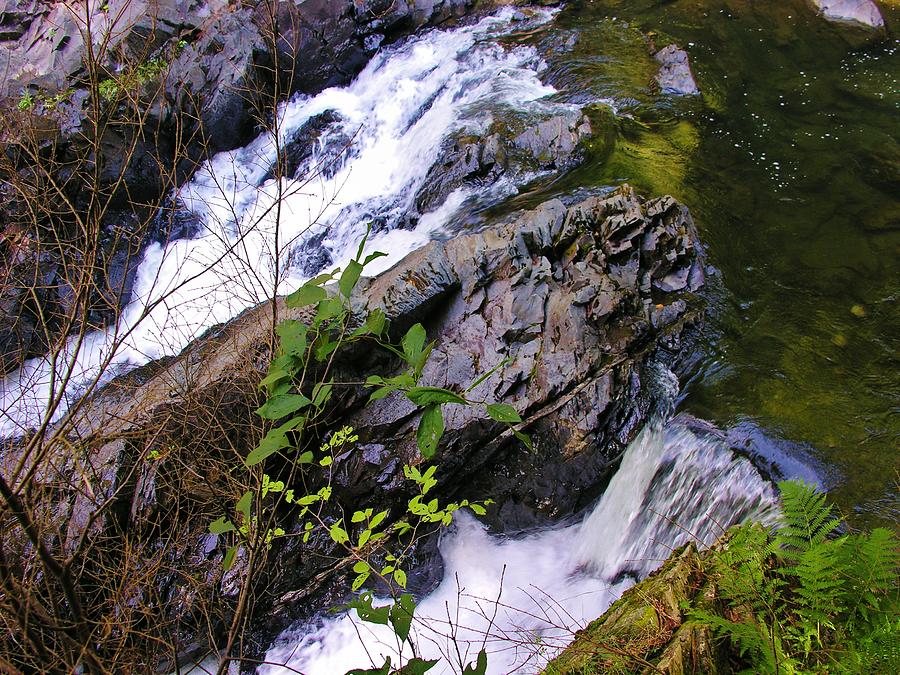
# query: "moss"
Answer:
x=646 y=631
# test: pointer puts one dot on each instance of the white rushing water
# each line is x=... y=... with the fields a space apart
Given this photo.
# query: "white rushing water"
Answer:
x=523 y=598
x=391 y=122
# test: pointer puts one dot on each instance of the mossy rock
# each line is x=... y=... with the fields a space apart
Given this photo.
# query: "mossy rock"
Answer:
x=646 y=630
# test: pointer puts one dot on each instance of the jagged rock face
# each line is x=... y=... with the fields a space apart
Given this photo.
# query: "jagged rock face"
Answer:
x=575 y=298
x=511 y=148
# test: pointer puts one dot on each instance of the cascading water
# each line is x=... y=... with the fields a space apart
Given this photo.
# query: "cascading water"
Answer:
x=523 y=598
x=390 y=124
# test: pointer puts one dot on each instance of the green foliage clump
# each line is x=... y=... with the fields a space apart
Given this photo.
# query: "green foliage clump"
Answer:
x=296 y=396
x=804 y=600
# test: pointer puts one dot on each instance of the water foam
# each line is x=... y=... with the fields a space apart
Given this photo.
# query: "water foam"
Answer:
x=392 y=119
x=523 y=598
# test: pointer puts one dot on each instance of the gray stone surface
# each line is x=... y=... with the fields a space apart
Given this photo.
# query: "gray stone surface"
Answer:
x=864 y=12
x=675 y=76
x=568 y=303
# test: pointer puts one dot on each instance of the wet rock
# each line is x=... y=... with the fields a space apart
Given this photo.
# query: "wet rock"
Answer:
x=542 y=298
x=675 y=76
x=555 y=144
x=464 y=161
x=863 y=12
x=320 y=137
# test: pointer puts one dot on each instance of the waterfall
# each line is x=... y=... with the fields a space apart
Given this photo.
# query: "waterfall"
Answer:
x=371 y=145
x=522 y=598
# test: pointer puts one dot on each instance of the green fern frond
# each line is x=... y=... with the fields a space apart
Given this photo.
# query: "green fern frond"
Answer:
x=872 y=564
x=806 y=520
x=820 y=584
x=752 y=639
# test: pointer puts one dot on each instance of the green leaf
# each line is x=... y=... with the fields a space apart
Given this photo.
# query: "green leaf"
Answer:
x=338 y=534
x=400 y=577
x=477 y=509
x=368 y=613
x=431 y=428
x=321 y=393
x=280 y=406
x=349 y=278
x=376 y=520
x=221 y=526
x=324 y=347
x=480 y=667
x=307 y=294
x=323 y=278
x=503 y=413
x=230 y=555
x=417 y=666
x=375 y=324
x=375 y=255
x=293 y=336
x=413 y=344
x=359 y=581
x=361 y=566
x=381 y=393
x=274 y=377
x=273 y=441
x=244 y=504
x=328 y=309
x=401 y=614
x=429 y=395
x=305 y=458
x=402 y=380
x=384 y=670
x=525 y=438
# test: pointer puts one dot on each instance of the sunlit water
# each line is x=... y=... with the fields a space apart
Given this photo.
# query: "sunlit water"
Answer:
x=790 y=163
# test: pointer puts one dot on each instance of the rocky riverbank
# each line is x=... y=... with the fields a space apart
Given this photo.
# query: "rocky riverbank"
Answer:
x=576 y=298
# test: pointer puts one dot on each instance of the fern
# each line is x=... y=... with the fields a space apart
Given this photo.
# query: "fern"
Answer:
x=872 y=567
x=808 y=601
x=752 y=638
x=806 y=520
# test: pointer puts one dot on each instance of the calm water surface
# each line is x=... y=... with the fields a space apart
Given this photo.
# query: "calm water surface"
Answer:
x=791 y=165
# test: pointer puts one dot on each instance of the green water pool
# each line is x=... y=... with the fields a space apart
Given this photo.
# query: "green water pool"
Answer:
x=790 y=163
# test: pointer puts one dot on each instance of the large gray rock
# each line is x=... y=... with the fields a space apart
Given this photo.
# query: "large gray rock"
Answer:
x=572 y=300
x=675 y=76
x=864 y=12
x=512 y=147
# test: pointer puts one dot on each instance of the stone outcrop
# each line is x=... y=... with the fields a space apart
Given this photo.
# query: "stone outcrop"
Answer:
x=648 y=630
x=675 y=76
x=575 y=298
x=512 y=148
x=863 y=12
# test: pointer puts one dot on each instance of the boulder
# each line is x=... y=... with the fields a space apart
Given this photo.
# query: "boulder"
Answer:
x=512 y=147
x=565 y=302
x=675 y=76
x=864 y=12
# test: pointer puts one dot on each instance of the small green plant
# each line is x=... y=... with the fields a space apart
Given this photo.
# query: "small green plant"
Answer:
x=296 y=392
x=803 y=600
x=26 y=100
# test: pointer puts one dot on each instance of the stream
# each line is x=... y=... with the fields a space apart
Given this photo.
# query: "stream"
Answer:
x=789 y=161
